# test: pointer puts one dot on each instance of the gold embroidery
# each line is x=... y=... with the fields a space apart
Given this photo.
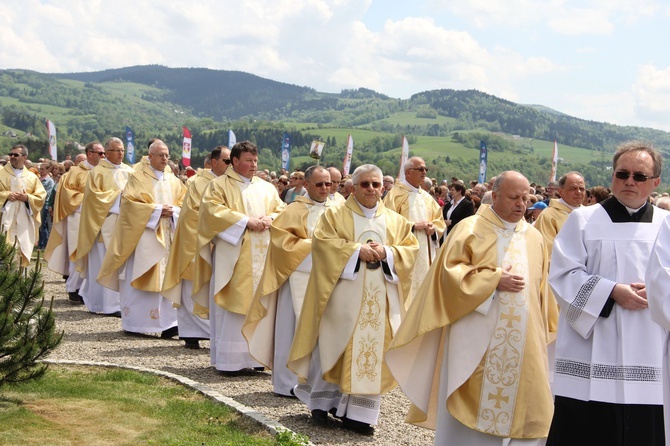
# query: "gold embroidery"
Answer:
x=367 y=359
x=371 y=309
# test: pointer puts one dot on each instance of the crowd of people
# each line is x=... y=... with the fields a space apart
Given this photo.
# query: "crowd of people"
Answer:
x=508 y=312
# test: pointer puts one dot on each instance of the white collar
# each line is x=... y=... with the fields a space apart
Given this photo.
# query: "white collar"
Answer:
x=508 y=224
x=562 y=201
x=414 y=189
x=368 y=212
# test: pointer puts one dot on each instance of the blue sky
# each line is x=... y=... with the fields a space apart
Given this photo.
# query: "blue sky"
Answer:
x=603 y=60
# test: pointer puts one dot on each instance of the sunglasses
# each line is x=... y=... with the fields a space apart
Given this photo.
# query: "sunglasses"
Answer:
x=226 y=160
x=637 y=177
x=323 y=183
x=420 y=169
x=15 y=155
x=99 y=153
x=367 y=184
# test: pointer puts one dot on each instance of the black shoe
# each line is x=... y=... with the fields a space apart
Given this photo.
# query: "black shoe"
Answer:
x=170 y=332
x=231 y=373
x=191 y=343
x=320 y=416
x=281 y=395
x=115 y=314
x=259 y=369
x=65 y=277
x=75 y=298
x=358 y=426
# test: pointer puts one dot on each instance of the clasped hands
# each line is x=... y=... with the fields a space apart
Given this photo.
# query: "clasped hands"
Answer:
x=259 y=224
x=427 y=226
x=166 y=211
x=631 y=297
x=17 y=196
x=372 y=252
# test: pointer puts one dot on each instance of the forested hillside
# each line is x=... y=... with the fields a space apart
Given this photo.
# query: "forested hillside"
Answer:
x=445 y=126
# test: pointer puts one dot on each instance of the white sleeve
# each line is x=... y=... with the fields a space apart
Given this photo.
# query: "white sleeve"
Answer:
x=234 y=233
x=580 y=295
x=393 y=277
x=349 y=272
x=657 y=279
x=155 y=217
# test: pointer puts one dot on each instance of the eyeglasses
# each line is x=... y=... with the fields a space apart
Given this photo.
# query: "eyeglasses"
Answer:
x=367 y=184
x=323 y=183
x=420 y=169
x=637 y=177
x=15 y=155
x=226 y=160
x=98 y=153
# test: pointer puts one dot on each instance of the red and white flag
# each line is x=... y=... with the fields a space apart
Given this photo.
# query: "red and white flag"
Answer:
x=53 y=149
x=186 y=148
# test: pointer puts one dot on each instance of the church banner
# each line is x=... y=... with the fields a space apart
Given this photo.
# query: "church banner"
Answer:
x=53 y=148
x=483 y=161
x=232 y=140
x=554 y=162
x=404 y=156
x=285 y=151
x=346 y=165
x=130 y=145
x=316 y=148
x=186 y=148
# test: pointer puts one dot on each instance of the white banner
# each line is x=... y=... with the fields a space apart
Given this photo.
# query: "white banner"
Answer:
x=53 y=149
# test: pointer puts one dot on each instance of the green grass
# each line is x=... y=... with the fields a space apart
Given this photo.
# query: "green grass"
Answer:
x=75 y=405
x=409 y=118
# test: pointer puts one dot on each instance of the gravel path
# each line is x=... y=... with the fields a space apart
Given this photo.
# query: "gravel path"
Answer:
x=91 y=337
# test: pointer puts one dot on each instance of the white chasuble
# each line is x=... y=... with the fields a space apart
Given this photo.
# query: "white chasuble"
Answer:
x=299 y=278
x=418 y=211
x=504 y=357
x=17 y=221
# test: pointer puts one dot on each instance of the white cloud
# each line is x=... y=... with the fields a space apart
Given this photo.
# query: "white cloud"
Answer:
x=651 y=93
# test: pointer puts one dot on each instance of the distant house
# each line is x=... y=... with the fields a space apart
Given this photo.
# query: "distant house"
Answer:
x=10 y=134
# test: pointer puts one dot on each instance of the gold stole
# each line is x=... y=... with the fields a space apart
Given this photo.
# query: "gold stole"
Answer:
x=369 y=332
x=504 y=357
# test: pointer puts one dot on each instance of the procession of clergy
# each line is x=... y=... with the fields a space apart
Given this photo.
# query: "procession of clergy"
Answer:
x=501 y=333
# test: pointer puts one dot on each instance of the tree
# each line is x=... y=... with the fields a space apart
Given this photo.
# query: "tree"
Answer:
x=27 y=327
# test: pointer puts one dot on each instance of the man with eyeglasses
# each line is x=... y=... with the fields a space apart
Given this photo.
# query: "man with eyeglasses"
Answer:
x=471 y=352
x=60 y=251
x=609 y=352
x=270 y=323
x=22 y=197
x=336 y=179
x=296 y=183
x=362 y=259
x=571 y=192
x=236 y=211
x=143 y=235
x=178 y=283
x=411 y=201
x=99 y=213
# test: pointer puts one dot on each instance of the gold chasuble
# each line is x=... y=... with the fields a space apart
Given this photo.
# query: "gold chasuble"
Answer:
x=353 y=321
x=62 y=244
x=103 y=187
x=489 y=346
x=418 y=206
x=226 y=200
x=138 y=201
x=182 y=255
x=21 y=220
x=290 y=244
x=549 y=223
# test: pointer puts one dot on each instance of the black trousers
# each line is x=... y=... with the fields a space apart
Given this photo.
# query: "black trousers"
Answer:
x=593 y=423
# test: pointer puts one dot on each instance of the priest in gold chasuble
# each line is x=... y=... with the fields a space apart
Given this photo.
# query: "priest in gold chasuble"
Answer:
x=137 y=256
x=178 y=283
x=471 y=354
x=21 y=197
x=420 y=208
x=236 y=211
x=270 y=323
x=363 y=255
x=99 y=212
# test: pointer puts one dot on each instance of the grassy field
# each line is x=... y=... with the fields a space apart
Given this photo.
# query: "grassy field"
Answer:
x=85 y=405
x=409 y=118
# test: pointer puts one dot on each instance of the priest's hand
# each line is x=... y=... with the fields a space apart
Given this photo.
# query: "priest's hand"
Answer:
x=368 y=253
x=510 y=282
x=18 y=196
x=631 y=297
x=380 y=252
x=166 y=211
x=257 y=224
x=267 y=221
